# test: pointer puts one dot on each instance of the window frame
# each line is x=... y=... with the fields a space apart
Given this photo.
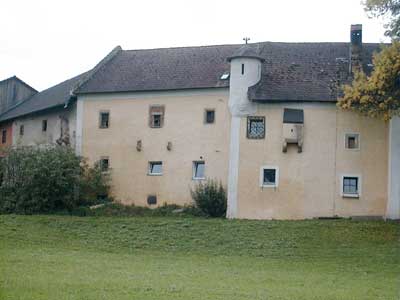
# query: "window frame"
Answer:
x=44 y=125
x=156 y=110
x=101 y=113
x=102 y=166
x=4 y=136
x=149 y=168
x=206 y=111
x=351 y=134
x=21 y=130
x=194 y=168
x=359 y=185
x=254 y=118
x=268 y=167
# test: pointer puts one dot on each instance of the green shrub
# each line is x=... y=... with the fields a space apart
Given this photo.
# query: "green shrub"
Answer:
x=47 y=179
x=210 y=198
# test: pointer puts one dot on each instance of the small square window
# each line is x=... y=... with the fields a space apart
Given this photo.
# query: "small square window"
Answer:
x=351 y=186
x=104 y=164
x=21 y=130
x=151 y=199
x=255 y=127
x=156 y=116
x=352 y=141
x=104 y=119
x=198 y=170
x=269 y=176
x=209 y=116
x=4 y=136
x=155 y=168
x=44 y=125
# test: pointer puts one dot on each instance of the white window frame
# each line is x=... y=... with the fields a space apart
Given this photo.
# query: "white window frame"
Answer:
x=276 y=177
x=150 y=173
x=359 y=182
x=194 y=170
x=347 y=134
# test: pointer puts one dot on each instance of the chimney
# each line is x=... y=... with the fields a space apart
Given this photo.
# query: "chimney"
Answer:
x=355 y=47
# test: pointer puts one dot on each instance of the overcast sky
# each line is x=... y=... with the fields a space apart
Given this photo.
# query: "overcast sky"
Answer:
x=47 y=41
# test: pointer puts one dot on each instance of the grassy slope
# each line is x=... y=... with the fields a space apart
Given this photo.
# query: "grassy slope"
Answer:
x=54 y=257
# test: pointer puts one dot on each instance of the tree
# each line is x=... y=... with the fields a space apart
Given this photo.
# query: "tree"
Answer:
x=389 y=9
x=378 y=95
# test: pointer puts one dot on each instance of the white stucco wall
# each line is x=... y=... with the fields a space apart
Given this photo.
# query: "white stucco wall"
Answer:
x=239 y=106
x=393 y=207
x=33 y=134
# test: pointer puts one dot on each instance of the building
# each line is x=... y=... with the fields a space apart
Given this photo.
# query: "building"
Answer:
x=13 y=91
x=262 y=118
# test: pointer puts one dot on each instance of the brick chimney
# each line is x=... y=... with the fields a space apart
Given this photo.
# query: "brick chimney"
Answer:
x=355 y=47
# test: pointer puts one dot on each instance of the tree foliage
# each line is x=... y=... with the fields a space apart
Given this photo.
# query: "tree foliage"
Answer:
x=389 y=9
x=210 y=198
x=376 y=95
x=47 y=179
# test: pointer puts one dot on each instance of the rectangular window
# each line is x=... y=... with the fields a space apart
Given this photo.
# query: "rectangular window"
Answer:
x=209 y=116
x=269 y=176
x=44 y=125
x=156 y=118
x=155 y=168
x=104 y=164
x=255 y=127
x=21 y=130
x=351 y=186
x=352 y=141
x=4 y=136
x=198 y=170
x=104 y=119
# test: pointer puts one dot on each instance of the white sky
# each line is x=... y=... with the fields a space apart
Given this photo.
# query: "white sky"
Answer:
x=44 y=42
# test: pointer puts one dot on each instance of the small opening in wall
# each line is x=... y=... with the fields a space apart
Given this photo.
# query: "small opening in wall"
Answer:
x=44 y=125
x=242 y=69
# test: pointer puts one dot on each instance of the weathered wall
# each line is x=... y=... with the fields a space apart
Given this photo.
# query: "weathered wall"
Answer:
x=183 y=126
x=310 y=182
x=8 y=127
x=57 y=119
x=13 y=91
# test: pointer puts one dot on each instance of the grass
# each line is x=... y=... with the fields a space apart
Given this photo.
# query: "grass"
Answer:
x=62 y=257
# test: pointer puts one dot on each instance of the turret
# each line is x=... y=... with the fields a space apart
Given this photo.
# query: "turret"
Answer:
x=245 y=71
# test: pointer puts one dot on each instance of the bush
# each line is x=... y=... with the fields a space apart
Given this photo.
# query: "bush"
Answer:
x=210 y=198
x=47 y=179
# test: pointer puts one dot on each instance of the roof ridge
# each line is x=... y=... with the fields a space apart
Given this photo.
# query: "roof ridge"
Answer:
x=239 y=45
x=20 y=80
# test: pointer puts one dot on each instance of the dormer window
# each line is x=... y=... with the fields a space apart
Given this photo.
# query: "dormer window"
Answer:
x=224 y=76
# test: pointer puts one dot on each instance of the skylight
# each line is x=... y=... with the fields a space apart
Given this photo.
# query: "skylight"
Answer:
x=224 y=76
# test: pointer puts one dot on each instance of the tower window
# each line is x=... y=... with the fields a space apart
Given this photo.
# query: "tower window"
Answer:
x=21 y=130
x=209 y=116
x=157 y=113
x=242 y=69
x=104 y=119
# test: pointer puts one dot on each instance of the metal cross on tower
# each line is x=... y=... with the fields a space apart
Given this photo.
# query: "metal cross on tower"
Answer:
x=246 y=39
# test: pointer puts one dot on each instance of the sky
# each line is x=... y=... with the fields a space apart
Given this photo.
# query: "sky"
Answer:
x=45 y=42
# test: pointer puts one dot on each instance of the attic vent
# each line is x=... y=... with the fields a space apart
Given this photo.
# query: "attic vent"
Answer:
x=293 y=123
x=224 y=76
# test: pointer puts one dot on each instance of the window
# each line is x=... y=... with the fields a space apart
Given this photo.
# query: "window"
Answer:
x=269 y=176
x=44 y=125
x=198 y=170
x=155 y=168
x=352 y=141
x=151 y=199
x=4 y=136
x=156 y=119
x=104 y=119
x=104 y=164
x=255 y=127
x=351 y=186
x=209 y=116
x=21 y=130
x=242 y=69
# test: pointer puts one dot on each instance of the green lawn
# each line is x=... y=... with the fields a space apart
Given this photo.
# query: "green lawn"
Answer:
x=60 y=257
